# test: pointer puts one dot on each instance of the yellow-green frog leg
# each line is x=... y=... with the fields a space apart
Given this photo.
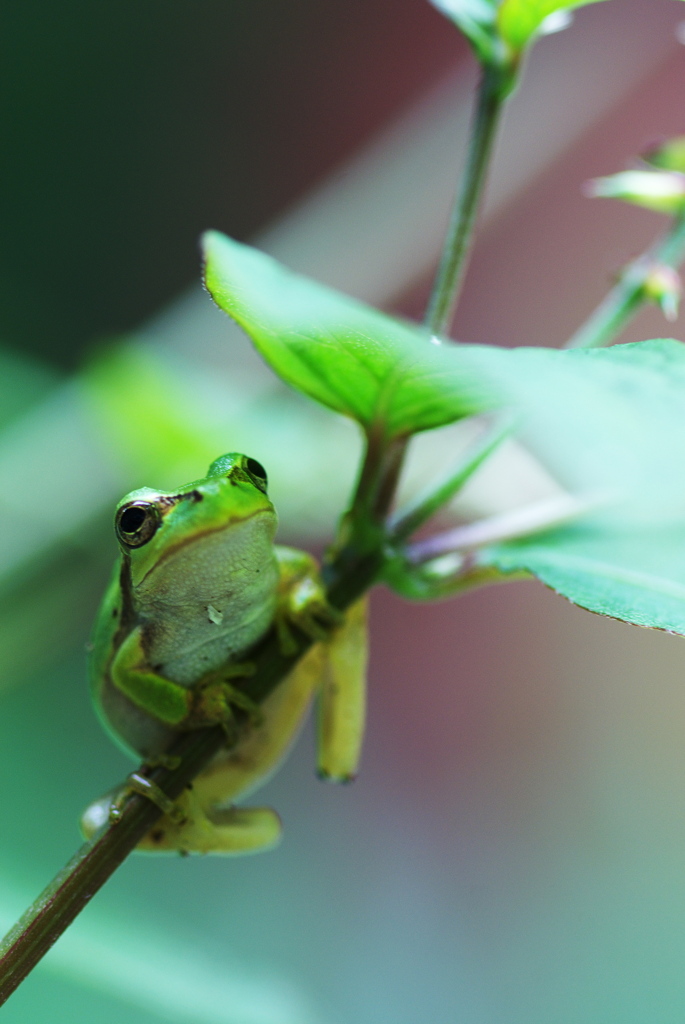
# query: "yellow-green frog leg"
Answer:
x=167 y=701
x=342 y=697
x=190 y=828
x=343 y=649
x=224 y=830
x=237 y=771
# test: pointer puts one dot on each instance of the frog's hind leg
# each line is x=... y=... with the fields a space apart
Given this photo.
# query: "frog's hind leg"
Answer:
x=222 y=830
x=342 y=697
x=342 y=644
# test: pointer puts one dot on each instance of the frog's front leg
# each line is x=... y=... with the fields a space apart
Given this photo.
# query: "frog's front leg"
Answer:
x=208 y=702
x=194 y=828
x=166 y=700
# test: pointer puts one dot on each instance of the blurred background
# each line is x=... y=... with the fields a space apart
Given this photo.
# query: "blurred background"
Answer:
x=514 y=850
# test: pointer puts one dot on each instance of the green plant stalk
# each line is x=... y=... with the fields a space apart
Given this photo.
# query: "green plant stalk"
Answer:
x=624 y=300
x=452 y=267
x=383 y=460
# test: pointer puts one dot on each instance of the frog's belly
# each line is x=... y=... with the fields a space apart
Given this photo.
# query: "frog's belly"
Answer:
x=182 y=648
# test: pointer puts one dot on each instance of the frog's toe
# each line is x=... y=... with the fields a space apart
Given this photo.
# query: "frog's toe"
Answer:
x=230 y=830
x=215 y=702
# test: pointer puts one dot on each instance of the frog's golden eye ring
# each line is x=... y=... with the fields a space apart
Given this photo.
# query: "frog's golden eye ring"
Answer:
x=257 y=472
x=136 y=523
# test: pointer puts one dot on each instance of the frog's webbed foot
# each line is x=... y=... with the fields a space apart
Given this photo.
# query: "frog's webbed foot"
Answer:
x=186 y=826
x=221 y=830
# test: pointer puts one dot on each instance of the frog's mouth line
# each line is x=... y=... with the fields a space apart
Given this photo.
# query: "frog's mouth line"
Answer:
x=192 y=540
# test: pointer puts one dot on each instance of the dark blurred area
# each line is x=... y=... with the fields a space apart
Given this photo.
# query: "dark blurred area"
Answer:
x=128 y=128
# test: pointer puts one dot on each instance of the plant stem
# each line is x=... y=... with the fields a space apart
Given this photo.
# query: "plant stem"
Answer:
x=453 y=263
x=383 y=461
x=607 y=321
x=66 y=896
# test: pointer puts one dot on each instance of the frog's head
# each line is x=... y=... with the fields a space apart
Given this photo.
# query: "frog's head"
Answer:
x=152 y=526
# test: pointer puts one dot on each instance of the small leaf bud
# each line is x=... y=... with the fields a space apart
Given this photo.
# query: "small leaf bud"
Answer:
x=663 y=286
x=663 y=191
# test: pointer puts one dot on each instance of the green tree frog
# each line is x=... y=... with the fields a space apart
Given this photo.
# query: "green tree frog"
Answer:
x=199 y=581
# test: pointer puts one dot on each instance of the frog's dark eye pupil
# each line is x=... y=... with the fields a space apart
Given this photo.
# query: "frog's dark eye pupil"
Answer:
x=256 y=469
x=132 y=519
x=137 y=523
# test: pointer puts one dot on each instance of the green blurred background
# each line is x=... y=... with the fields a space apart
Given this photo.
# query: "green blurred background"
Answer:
x=514 y=850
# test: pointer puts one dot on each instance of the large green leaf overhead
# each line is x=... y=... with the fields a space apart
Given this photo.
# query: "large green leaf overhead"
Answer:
x=608 y=423
x=346 y=355
x=610 y=426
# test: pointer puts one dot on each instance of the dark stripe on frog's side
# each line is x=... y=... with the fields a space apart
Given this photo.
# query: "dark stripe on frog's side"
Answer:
x=127 y=612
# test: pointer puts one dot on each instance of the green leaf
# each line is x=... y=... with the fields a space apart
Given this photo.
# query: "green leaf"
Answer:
x=353 y=359
x=609 y=424
x=519 y=21
x=636 y=575
x=476 y=19
x=663 y=191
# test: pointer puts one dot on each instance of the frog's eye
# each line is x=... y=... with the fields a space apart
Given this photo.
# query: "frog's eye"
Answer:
x=257 y=472
x=136 y=523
